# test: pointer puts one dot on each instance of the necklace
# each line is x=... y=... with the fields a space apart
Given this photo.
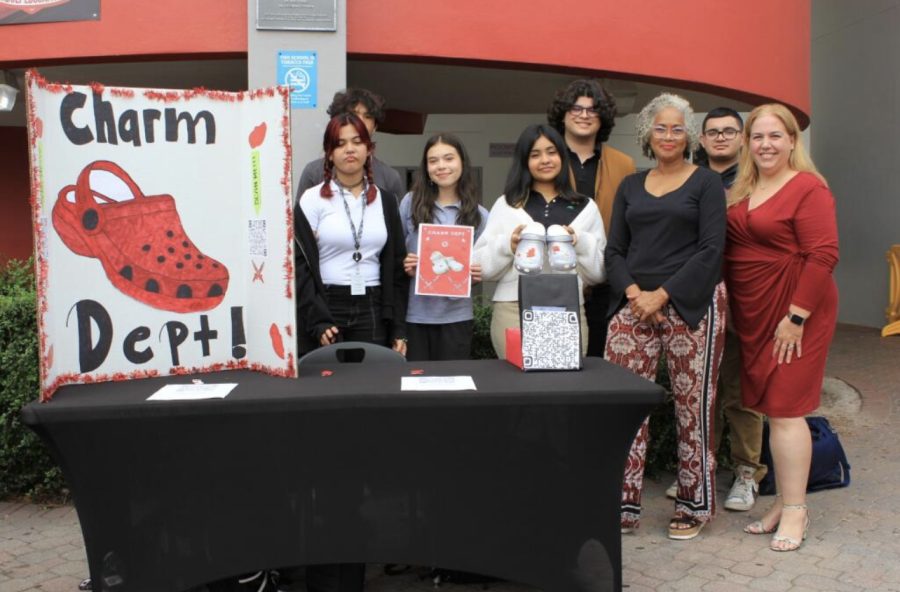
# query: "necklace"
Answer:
x=354 y=186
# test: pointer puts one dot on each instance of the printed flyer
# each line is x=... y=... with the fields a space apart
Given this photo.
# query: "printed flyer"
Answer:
x=445 y=256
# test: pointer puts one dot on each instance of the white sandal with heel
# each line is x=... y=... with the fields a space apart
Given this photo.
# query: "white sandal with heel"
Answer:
x=792 y=543
x=757 y=526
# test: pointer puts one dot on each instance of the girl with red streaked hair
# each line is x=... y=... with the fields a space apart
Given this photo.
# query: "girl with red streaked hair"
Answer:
x=347 y=146
x=351 y=286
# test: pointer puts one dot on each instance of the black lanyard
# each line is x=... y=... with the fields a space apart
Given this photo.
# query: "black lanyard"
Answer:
x=357 y=236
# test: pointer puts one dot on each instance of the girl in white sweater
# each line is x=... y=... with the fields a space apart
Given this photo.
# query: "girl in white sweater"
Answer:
x=537 y=190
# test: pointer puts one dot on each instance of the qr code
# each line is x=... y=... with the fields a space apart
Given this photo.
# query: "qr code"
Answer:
x=256 y=237
x=551 y=340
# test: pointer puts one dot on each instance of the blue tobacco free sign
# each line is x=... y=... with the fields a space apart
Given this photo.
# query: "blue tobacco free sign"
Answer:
x=299 y=70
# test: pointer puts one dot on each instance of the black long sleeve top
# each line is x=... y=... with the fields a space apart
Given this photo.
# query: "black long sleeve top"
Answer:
x=674 y=241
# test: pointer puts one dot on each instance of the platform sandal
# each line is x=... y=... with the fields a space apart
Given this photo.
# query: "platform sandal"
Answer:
x=684 y=528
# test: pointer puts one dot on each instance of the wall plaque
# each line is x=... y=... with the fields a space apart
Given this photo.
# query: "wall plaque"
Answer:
x=501 y=149
x=297 y=15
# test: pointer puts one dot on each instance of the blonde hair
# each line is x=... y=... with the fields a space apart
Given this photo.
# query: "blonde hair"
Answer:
x=748 y=173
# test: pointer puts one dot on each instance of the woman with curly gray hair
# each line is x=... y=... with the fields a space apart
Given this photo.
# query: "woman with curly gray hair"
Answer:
x=664 y=259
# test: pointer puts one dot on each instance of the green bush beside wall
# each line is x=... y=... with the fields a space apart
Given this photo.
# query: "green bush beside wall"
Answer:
x=26 y=468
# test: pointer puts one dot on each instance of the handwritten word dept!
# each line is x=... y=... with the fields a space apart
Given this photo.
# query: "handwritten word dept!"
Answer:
x=129 y=125
x=93 y=352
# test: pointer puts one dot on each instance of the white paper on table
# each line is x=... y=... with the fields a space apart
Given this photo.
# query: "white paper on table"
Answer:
x=437 y=383
x=192 y=392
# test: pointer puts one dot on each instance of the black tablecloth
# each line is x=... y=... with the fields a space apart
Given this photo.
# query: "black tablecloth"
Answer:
x=520 y=479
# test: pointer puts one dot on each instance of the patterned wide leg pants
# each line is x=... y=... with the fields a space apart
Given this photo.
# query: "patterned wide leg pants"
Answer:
x=692 y=359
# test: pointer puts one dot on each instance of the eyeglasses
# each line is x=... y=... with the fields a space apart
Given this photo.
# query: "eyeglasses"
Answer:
x=729 y=133
x=661 y=131
x=579 y=110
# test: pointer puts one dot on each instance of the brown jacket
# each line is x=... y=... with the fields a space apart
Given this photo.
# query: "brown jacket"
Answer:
x=614 y=166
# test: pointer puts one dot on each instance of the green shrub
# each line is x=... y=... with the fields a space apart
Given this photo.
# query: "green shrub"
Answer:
x=482 y=349
x=26 y=468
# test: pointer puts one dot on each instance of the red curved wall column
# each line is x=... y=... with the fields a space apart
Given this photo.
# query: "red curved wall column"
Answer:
x=133 y=28
x=751 y=50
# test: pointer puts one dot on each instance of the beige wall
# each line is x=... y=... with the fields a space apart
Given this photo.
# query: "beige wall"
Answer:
x=856 y=142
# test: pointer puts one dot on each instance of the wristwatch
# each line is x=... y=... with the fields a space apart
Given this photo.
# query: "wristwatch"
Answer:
x=796 y=319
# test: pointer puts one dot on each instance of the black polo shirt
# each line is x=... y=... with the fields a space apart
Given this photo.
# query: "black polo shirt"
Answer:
x=585 y=172
x=729 y=175
x=558 y=211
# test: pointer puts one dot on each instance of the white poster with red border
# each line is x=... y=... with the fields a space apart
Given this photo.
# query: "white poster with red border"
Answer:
x=163 y=231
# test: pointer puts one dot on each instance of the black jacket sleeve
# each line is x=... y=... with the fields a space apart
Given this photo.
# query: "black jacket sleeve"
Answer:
x=313 y=316
x=394 y=282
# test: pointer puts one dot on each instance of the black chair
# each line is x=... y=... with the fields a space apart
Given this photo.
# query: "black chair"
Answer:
x=352 y=352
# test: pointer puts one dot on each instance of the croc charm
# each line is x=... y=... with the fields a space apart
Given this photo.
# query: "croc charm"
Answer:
x=140 y=243
x=529 y=258
x=561 y=251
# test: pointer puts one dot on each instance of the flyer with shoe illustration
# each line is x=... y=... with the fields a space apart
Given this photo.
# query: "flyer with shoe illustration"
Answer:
x=445 y=257
x=163 y=231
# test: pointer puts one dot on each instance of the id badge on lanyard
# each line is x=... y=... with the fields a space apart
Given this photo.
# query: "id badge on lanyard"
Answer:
x=357 y=283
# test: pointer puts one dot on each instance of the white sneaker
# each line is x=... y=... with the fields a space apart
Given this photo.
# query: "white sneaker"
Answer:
x=743 y=492
x=672 y=490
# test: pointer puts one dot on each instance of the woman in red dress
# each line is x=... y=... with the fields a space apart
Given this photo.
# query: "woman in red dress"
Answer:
x=781 y=250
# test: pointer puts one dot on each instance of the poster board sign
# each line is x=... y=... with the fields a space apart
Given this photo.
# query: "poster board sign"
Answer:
x=163 y=231
x=445 y=258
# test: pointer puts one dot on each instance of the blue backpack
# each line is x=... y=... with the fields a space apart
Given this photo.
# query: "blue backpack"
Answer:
x=829 y=467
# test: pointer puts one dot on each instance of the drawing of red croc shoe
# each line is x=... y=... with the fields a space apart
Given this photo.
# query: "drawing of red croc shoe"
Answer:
x=139 y=241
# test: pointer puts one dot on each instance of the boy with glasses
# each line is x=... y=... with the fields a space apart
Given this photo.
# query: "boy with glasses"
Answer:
x=721 y=140
x=584 y=113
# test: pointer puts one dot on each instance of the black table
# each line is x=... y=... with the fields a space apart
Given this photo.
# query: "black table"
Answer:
x=520 y=480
